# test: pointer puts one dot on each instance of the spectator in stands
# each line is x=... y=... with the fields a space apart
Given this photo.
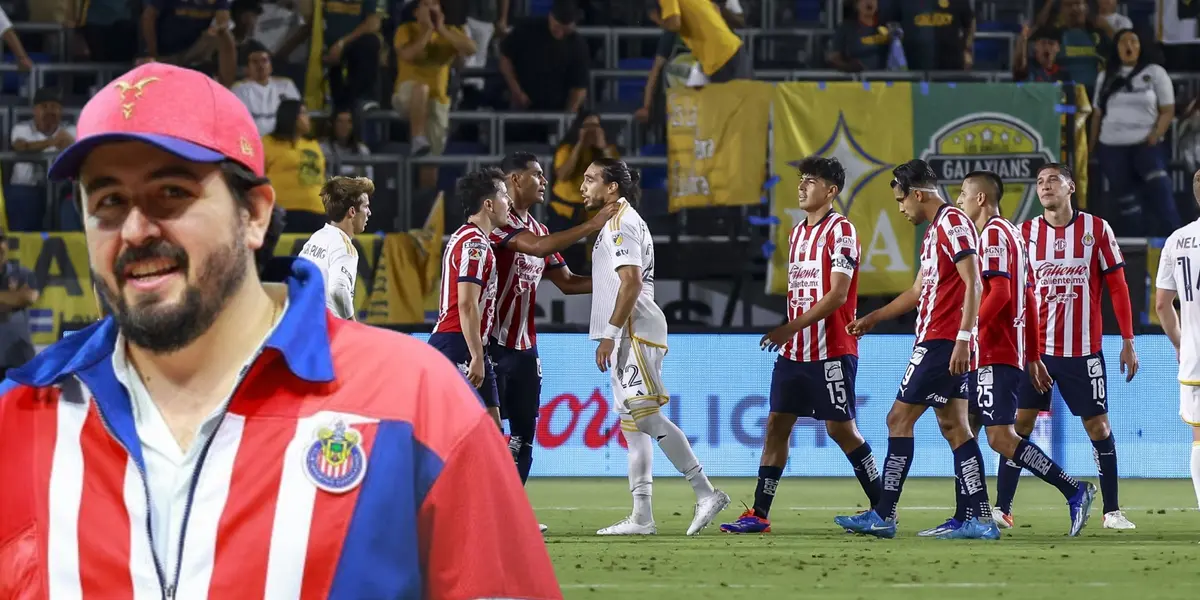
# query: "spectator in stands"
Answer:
x=261 y=91
x=280 y=27
x=1086 y=38
x=352 y=48
x=244 y=14
x=296 y=168
x=584 y=142
x=107 y=28
x=9 y=36
x=1134 y=105
x=939 y=35
x=1045 y=67
x=190 y=33
x=425 y=50
x=25 y=198
x=862 y=44
x=343 y=142
x=1177 y=28
x=1108 y=11
x=18 y=291
x=545 y=63
x=720 y=54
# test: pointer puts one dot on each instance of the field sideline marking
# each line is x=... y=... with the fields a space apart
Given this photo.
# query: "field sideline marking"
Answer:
x=858 y=508
x=761 y=586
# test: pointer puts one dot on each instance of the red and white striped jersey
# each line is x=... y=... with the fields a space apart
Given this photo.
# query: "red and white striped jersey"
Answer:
x=949 y=238
x=1068 y=267
x=1002 y=341
x=815 y=253
x=468 y=258
x=519 y=275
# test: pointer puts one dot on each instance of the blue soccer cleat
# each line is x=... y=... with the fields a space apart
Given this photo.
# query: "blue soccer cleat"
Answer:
x=950 y=525
x=973 y=529
x=748 y=523
x=868 y=523
x=1081 y=505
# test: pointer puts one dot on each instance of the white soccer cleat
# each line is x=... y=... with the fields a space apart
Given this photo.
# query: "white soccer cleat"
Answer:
x=1116 y=520
x=707 y=510
x=626 y=526
x=1003 y=520
x=542 y=528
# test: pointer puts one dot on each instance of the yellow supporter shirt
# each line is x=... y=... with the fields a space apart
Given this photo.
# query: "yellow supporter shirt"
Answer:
x=432 y=66
x=703 y=31
x=297 y=172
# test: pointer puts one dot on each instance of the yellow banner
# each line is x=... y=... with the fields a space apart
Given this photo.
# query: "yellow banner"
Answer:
x=716 y=142
x=368 y=247
x=1083 y=110
x=408 y=277
x=59 y=262
x=869 y=133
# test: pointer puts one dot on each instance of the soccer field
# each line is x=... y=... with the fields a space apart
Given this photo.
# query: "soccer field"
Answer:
x=807 y=556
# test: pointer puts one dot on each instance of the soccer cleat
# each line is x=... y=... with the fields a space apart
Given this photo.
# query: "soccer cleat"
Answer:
x=1080 y=506
x=1116 y=520
x=868 y=523
x=950 y=525
x=626 y=526
x=707 y=510
x=1003 y=520
x=542 y=527
x=748 y=523
x=973 y=529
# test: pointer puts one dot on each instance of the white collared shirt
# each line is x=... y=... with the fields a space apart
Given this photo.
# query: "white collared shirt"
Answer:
x=169 y=468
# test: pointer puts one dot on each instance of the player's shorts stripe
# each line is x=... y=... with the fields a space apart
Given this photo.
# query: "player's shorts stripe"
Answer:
x=642 y=413
x=65 y=496
x=213 y=488
x=645 y=342
x=628 y=424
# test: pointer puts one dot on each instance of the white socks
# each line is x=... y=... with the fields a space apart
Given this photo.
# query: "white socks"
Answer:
x=641 y=467
x=678 y=450
x=1196 y=470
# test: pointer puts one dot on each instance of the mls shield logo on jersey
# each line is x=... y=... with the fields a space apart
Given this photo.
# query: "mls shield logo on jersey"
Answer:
x=335 y=461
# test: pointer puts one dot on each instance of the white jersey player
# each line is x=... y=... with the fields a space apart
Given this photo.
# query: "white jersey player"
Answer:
x=347 y=206
x=1178 y=277
x=632 y=332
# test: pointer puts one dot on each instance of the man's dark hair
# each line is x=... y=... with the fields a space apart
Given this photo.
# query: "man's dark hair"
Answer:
x=341 y=193
x=517 y=161
x=828 y=169
x=614 y=170
x=476 y=186
x=1062 y=169
x=993 y=187
x=915 y=173
x=565 y=11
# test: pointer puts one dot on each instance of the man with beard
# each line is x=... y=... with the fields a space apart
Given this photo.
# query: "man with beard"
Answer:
x=227 y=437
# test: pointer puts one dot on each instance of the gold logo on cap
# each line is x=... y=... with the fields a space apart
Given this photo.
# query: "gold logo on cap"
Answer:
x=247 y=149
x=137 y=87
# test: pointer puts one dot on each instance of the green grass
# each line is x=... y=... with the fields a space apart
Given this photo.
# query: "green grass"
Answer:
x=807 y=556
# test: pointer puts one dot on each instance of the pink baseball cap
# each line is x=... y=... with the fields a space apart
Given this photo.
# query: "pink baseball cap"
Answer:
x=174 y=109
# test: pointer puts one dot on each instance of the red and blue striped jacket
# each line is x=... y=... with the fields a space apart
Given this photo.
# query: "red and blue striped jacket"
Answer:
x=422 y=502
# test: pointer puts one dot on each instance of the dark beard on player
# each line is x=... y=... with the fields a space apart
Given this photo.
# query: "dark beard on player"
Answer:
x=166 y=329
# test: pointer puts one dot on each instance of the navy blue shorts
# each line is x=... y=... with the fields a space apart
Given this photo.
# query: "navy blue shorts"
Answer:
x=821 y=389
x=454 y=347
x=518 y=383
x=994 y=391
x=927 y=380
x=1082 y=381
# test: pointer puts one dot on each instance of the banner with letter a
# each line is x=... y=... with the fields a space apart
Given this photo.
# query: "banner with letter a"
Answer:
x=59 y=262
x=717 y=144
x=869 y=130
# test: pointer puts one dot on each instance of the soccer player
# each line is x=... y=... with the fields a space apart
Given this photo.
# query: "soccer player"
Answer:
x=815 y=371
x=320 y=457
x=467 y=303
x=946 y=296
x=347 y=203
x=1008 y=326
x=1070 y=252
x=632 y=331
x=1177 y=279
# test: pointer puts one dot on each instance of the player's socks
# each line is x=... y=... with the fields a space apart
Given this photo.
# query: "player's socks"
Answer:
x=895 y=471
x=641 y=465
x=764 y=493
x=678 y=450
x=962 y=503
x=1006 y=484
x=968 y=467
x=1031 y=457
x=1105 y=453
x=1196 y=470
x=865 y=469
x=521 y=448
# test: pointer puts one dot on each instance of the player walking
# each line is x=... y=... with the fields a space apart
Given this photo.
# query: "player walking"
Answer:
x=815 y=371
x=1008 y=339
x=1178 y=277
x=347 y=206
x=1069 y=252
x=632 y=331
x=467 y=303
x=946 y=296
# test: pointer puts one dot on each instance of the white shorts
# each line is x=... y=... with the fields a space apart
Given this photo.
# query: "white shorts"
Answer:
x=636 y=373
x=1189 y=404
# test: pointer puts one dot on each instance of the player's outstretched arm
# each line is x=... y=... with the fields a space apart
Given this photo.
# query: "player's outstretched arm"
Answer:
x=542 y=246
x=900 y=305
x=569 y=283
x=839 y=290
